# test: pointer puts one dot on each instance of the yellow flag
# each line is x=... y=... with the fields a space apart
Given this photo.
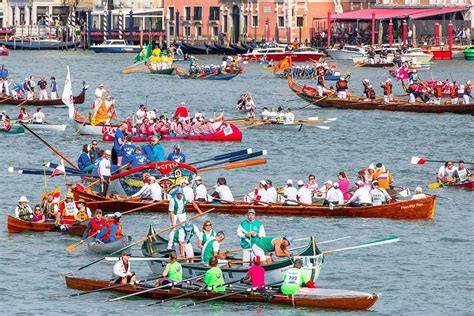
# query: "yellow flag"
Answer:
x=100 y=115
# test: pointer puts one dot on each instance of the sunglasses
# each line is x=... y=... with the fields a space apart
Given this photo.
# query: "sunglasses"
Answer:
x=208 y=225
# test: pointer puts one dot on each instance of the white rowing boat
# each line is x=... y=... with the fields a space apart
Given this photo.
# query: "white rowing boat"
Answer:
x=44 y=127
x=277 y=126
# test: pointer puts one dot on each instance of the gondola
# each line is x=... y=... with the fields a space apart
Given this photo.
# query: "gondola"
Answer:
x=16 y=225
x=13 y=131
x=309 y=94
x=239 y=49
x=184 y=74
x=78 y=99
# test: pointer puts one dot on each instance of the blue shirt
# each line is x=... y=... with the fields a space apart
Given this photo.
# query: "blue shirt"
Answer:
x=178 y=158
x=138 y=160
x=4 y=74
x=83 y=161
x=128 y=151
x=53 y=86
x=113 y=231
x=118 y=135
x=147 y=151
x=157 y=153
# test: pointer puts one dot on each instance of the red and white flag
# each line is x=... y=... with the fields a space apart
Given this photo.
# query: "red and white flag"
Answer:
x=417 y=161
x=59 y=169
x=402 y=73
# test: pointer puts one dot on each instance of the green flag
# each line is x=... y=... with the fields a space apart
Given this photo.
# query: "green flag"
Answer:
x=144 y=54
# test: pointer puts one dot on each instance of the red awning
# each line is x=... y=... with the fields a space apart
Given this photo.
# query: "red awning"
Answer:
x=437 y=11
x=392 y=13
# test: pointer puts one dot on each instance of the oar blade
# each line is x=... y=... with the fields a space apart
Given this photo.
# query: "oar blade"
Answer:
x=435 y=185
x=417 y=161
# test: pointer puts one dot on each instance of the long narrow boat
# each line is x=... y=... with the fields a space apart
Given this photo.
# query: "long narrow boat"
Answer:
x=421 y=209
x=45 y=127
x=156 y=247
x=168 y=71
x=78 y=99
x=376 y=65
x=184 y=74
x=468 y=185
x=309 y=94
x=16 y=225
x=107 y=248
x=312 y=298
x=277 y=127
x=15 y=130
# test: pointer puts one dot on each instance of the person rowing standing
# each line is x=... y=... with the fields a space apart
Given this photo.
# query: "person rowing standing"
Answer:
x=341 y=88
x=265 y=247
x=467 y=93
x=182 y=239
x=122 y=270
x=249 y=231
x=320 y=86
x=387 y=90
x=104 y=173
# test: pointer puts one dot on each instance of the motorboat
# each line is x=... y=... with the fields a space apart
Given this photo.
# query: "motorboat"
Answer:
x=115 y=46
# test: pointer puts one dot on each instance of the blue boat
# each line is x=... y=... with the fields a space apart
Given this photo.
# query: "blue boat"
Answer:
x=38 y=44
x=116 y=46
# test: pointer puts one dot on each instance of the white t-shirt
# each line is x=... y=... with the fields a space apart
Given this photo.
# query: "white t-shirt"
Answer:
x=154 y=191
x=188 y=194
x=304 y=195
x=445 y=172
x=104 y=167
x=225 y=193
x=201 y=192
x=272 y=195
x=291 y=193
x=263 y=194
x=182 y=233
x=265 y=114
x=180 y=206
x=140 y=116
x=361 y=195
x=39 y=117
x=289 y=118
x=151 y=115
x=418 y=196
x=335 y=196
x=99 y=93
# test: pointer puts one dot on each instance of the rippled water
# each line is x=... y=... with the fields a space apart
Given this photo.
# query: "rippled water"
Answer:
x=428 y=272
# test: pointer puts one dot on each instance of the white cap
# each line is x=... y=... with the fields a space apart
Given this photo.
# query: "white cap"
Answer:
x=300 y=182
x=263 y=182
x=328 y=182
x=418 y=190
x=108 y=152
x=23 y=199
x=360 y=182
x=184 y=181
x=152 y=178
x=289 y=181
x=197 y=178
x=336 y=185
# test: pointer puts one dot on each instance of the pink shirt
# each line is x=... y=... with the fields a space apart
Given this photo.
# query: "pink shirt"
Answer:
x=257 y=274
x=344 y=185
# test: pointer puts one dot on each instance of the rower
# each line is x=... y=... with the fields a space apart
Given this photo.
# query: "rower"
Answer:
x=272 y=194
x=23 y=210
x=265 y=114
x=294 y=278
x=369 y=93
x=418 y=194
x=94 y=226
x=38 y=216
x=182 y=239
x=304 y=194
x=122 y=270
x=467 y=93
x=38 y=116
x=438 y=92
x=255 y=276
x=214 y=277
x=264 y=247
x=371 y=56
x=334 y=195
x=320 y=84
x=290 y=193
x=387 y=90
x=201 y=190
x=150 y=190
x=177 y=211
x=260 y=193
x=84 y=161
x=280 y=118
x=249 y=231
x=414 y=93
x=222 y=192
x=447 y=173
x=112 y=230
x=272 y=116
x=206 y=233
x=383 y=55
x=383 y=176
x=341 y=88
x=453 y=93
x=50 y=207
x=463 y=173
x=68 y=210
x=83 y=212
x=173 y=271
x=289 y=117
x=187 y=191
x=176 y=155
x=211 y=248
x=379 y=195
x=361 y=196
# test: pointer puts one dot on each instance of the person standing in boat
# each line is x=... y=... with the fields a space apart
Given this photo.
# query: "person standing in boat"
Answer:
x=128 y=150
x=28 y=90
x=104 y=173
x=94 y=226
x=54 y=88
x=211 y=248
x=23 y=210
x=249 y=231
x=43 y=89
x=38 y=216
x=214 y=278
x=387 y=90
x=320 y=86
x=99 y=93
x=112 y=230
x=266 y=246
x=182 y=239
x=176 y=155
x=173 y=271
x=119 y=141
x=122 y=270
x=294 y=278
x=206 y=233
x=4 y=76
x=383 y=55
x=341 y=88
x=157 y=153
x=467 y=93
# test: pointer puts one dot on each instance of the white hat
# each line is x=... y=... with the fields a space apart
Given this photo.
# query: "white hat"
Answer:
x=152 y=178
x=388 y=80
x=289 y=181
x=108 y=152
x=468 y=82
x=23 y=199
x=418 y=190
x=328 y=182
x=263 y=182
x=198 y=178
x=184 y=181
x=360 y=182
x=336 y=185
x=300 y=182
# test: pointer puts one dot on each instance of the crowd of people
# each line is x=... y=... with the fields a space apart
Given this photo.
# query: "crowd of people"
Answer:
x=449 y=173
x=24 y=117
x=159 y=59
x=312 y=71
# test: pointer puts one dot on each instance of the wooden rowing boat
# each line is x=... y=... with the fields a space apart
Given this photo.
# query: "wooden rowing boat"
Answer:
x=277 y=127
x=376 y=65
x=468 y=185
x=184 y=74
x=315 y=119
x=309 y=94
x=156 y=247
x=406 y=210
x=107 y=248
x=16 y=225
x=313 y=298
x=78 y=99
x=15 y=130
x=44 y=127
x=168 y=71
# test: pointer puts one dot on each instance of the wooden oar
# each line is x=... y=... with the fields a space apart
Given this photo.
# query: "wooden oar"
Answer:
x=57 y=152
x=82 y=125
x=236 y=165
x=369 y=244
x=76 y=245
x=131 y=68
x=106 y=288
x=114 y=200
x=5 y=99
x=148 y=236
x=153 y=289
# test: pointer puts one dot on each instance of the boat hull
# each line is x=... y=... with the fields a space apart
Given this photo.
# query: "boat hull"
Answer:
x=342 y=54
x=79 y=99
x=313 y=298
x=13 y=131
x=309 y=94
x=45 y=127
x=16 y=225
x=168 y=71
x=26 y=45
x=295 y=57
x=104 y=249
x=116 y=50
x=278 y=127
x=422 y=209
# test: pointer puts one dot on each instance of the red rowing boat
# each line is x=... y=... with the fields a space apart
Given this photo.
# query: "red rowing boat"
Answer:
x=16 y=225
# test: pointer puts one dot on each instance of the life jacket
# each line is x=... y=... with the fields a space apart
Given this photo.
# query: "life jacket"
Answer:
x=453 y=92
x=341 y=85
x=413 y=87
x=68 y=208
x=387 y=89
x=371 y=93
x=118 y=233
x=438 y=91
x=49 y=208
x=96 y=226
x=24 y=213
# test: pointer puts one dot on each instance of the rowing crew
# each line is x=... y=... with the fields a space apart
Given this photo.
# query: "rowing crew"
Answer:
x=277 y=117
x=448 y=173
x=429 y=94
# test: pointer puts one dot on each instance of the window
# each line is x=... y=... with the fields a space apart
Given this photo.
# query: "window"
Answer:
x=187 y=31
x=215 y=31
x=198 y=31
x=246 y=24
x=225 y=23
x=171 y=13
x=255 y=20
x=172 y=30
x=281 y=21
x=197 y=14
x=299 y=21
x=214 y=13
x=187 y=13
